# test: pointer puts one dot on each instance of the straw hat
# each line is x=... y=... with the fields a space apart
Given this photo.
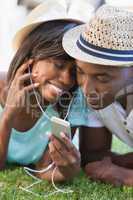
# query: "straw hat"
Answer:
x=52 y=10
x=107 y=39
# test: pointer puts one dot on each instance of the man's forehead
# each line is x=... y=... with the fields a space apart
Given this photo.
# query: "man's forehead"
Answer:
x=101 y=68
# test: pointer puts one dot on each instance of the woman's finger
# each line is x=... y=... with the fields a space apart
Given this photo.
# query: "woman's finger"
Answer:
x=68 y=143
x=56 y=156
x=60 y=146
x=31 y=87
x=23 y=67
x=25 y=77
x=65 y=144
x=60 y=158
x=63 y=152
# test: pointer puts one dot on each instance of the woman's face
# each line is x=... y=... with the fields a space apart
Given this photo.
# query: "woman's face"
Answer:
x=55 y=76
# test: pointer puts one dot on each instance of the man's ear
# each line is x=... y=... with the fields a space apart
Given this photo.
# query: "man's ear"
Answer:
x=129 y=78
x=131 y=75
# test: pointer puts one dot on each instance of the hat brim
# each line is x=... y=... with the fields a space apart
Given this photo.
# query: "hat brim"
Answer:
x=70 y=46
x=24 y=31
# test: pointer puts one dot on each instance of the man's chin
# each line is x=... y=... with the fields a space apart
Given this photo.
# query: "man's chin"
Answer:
x=95 y=106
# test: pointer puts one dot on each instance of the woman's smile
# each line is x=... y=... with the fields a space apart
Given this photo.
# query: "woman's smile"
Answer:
x=51 y=91
x=56 y=89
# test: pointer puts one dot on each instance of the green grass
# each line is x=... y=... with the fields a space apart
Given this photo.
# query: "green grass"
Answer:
x=84 y=189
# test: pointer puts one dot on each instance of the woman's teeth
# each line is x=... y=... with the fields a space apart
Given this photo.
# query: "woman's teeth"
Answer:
x=58 y=90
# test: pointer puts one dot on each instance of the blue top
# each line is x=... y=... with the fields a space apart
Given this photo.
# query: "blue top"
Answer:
x=79 y=112
x=28 y=147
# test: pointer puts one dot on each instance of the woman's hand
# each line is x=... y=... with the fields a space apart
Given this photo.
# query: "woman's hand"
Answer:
x=17 y=92
x=65 y=155
x=15 y=101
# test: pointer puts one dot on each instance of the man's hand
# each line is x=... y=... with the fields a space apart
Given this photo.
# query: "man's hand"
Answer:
x=65 y=155
x=108 y=172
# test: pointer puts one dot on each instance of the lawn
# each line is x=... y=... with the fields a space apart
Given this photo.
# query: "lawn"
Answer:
x=12 y=179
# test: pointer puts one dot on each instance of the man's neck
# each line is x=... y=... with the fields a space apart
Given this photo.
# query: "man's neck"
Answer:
x=125 y=98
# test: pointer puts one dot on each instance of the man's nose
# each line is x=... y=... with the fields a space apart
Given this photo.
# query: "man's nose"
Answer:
x=88 y=86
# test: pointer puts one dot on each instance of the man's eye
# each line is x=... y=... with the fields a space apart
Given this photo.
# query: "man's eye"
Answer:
x=80 y=71
x=103 y=79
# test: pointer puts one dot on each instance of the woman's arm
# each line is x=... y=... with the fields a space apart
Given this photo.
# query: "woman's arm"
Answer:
x=12 y=107
x=5 y=130
x=5 y=124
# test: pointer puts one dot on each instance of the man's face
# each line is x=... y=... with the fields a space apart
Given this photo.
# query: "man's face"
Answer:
x=101 y=83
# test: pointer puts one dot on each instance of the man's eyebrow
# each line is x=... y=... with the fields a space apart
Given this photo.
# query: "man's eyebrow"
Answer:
x=102 y=74
x=79 y=68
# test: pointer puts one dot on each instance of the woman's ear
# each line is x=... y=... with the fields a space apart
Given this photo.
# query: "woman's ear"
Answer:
x=30 y=68
x=33 y=68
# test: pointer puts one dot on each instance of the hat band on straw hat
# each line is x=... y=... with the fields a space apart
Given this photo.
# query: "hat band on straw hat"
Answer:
x=69 y=26
x=100 y=52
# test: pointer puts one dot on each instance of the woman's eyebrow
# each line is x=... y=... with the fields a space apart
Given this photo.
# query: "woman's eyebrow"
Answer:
x=60 y=61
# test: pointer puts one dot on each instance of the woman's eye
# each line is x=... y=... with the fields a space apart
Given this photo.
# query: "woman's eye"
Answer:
x=103 y=79
x=59 y=66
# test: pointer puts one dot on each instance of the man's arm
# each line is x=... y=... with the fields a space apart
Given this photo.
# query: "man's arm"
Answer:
x=97 y=158
x=94 y=144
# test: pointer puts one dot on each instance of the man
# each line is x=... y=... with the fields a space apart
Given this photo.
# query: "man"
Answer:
x=103 y=50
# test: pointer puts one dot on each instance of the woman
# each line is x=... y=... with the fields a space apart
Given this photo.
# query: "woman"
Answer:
x=40 y=66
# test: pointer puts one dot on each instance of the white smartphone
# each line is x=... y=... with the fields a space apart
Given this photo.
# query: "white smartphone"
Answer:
x=60 y=125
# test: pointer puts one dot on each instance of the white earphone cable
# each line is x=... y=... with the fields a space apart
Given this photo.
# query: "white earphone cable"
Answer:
x=28 y=170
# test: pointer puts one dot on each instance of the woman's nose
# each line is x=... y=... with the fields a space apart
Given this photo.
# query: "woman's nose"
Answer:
x=66 y=78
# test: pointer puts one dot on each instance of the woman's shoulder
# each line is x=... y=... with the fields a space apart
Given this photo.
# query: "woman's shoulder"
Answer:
x=2 y=85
